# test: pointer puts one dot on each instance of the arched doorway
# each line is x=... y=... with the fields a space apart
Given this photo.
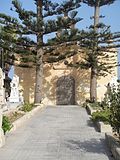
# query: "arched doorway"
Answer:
x=65 y=91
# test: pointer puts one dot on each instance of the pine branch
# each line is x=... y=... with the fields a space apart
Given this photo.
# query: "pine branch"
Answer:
x=53 y=59
x=93 y=3
x=59 y=24
x=57 y=9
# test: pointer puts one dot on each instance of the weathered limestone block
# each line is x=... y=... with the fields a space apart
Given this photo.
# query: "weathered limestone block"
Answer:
x=114 y=145
x=90 y=110
x=103 y=128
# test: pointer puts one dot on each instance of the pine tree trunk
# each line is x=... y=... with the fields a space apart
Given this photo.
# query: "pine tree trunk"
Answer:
x=96 y=16
x=93 y=79
x=39 y=77
x=93 y=85
x=39 y=57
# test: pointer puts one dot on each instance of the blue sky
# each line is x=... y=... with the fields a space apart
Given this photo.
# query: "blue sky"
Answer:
x=111 y=12
x=85 y=12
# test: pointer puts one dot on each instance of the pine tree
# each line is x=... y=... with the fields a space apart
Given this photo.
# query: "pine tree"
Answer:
x=7 y=57
x=98 y=52
x=96 y=4
x=97 y=43
x=39 y=24
x=6 y=46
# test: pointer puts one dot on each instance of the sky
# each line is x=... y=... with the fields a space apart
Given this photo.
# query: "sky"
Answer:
x=111 y=13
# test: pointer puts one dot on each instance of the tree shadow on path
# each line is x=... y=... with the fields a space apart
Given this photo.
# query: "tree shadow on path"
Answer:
x=93 y=145
x=90 y=123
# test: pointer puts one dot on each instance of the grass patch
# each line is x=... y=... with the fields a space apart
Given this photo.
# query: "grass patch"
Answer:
x=27 y=107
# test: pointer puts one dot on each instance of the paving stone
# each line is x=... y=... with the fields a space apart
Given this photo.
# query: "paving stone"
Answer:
x=56 y=133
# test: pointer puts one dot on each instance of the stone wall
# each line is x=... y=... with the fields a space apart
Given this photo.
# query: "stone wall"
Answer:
x=51 y=75
x=27 y=80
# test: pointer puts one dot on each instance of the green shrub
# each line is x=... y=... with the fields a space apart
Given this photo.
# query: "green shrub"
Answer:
x=92 y=104
x=95 y=105
x=6 y=124
x=103 y=115
x=27 y=107
x=115 y=109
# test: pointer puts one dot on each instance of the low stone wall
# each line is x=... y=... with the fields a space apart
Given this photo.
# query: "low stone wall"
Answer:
x=90 y=110
x=21 y=120
x=18 y=122
x=2 y=137
x=103 y=128
x=114 y=145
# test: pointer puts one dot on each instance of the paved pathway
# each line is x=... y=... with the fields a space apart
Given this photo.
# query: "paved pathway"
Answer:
x=63 y=133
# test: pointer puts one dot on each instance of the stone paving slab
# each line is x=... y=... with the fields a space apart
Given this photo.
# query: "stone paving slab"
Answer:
x=56 y=133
